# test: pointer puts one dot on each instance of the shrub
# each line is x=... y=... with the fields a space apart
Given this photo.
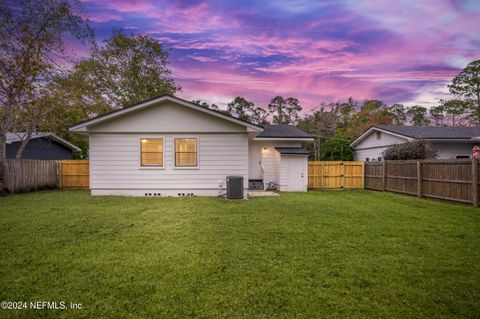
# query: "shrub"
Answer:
x=415 y=150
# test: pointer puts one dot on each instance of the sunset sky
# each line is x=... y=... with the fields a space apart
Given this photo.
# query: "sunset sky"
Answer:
x=318 y=51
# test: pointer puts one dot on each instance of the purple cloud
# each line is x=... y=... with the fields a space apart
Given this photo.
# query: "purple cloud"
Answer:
x=318 y=51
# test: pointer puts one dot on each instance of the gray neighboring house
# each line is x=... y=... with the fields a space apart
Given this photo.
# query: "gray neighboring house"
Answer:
x=42 y=146
x=450 y=142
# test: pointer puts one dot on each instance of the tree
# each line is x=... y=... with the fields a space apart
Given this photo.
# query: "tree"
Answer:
x=418 y=115
x=438 y=114
x=241 y=108
x=284 y=111
x=337 y=149
x=372 y=112
x=415 y=150
x=31 y=38
x=128 y=69
x=454 y=108
x=260 y=116
x=466 y=87
x=212 y=106
x=246 y=110
x=399 y=115
x=322 y=125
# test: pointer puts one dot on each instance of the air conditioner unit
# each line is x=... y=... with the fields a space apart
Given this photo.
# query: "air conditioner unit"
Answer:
x=234 y=187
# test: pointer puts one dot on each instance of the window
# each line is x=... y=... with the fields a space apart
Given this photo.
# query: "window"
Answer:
x=367 y=159
x=379 y=135
x=186 y=152
x=151 y=152
x=462 y=156
x=379 y=158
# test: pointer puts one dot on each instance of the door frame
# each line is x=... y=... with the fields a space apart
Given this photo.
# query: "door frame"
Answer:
x=287 y=158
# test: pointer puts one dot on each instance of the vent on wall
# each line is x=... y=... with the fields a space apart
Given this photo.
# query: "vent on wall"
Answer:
x=185 y=194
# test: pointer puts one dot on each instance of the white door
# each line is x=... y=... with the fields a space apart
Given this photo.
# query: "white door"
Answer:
x=254 y=161
x=297 y=177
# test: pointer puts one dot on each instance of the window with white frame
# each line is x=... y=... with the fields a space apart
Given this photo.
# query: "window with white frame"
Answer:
x=151 y=153
x=186 y=152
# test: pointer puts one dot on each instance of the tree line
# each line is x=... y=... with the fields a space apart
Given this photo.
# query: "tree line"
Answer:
x=43 y=89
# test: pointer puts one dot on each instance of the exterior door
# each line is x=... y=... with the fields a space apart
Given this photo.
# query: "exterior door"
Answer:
x=254 y=161
x=297 y=173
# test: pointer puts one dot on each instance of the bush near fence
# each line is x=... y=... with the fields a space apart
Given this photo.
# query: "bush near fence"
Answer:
x=453 y=180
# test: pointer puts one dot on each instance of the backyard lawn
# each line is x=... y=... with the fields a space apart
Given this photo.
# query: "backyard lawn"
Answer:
x=316 y=254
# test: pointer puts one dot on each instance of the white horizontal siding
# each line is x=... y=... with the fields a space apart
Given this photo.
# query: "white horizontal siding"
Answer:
x=271 y=158
x=385 y=140
x=453 y=149
x=115 y=164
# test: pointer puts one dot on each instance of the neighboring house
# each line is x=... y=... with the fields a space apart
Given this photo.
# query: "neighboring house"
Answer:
x=167 y=146
x=41 y=146
x=450 y=142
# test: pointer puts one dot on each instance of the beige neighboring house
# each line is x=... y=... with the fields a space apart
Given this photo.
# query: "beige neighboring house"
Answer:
x=167 y=146
x=450 y=142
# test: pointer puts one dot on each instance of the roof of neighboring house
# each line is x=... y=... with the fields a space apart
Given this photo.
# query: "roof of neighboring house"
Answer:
x=282 y=131
x=20 y=136
x=292 y=150
x=433 y=132
x=156 y=99
x=456 y=133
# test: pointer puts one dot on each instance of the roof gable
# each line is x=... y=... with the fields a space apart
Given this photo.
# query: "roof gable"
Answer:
x=458 y=133
x=133 y=110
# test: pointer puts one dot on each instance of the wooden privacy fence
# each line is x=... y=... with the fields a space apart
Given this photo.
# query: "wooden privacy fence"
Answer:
x=335 y=174
x=23 y=175
x=29 y=175
x=454 y=180
x=74 y=174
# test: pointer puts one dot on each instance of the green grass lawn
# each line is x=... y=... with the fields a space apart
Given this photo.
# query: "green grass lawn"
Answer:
x=316 y=254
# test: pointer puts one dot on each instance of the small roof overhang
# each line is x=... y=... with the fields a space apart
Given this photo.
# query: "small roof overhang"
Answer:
x=298 y=139
x=292 y=151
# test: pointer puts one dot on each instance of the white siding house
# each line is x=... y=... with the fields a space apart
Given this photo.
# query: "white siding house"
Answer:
x=170 y=147
x=450 y=142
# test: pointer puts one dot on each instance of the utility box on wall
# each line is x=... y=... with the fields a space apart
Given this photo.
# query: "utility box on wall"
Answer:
x=235 y=187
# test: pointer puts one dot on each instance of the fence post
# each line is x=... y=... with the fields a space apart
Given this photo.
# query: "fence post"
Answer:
x=2 y=177
x=342 y=171
x=419 y=179
x=474 y=182
x=384 y=175
x=322 y=184
x=363 y=175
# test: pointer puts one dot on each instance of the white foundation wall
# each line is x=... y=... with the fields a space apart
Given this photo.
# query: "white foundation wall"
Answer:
x=115 y=165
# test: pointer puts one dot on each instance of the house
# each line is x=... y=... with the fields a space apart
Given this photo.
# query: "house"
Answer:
x=41 y=146
x=167 y=146
x=450 y=142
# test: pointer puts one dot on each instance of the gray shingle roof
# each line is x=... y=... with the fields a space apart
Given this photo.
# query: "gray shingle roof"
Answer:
x=437 y=132
x=292 y=150
x=283 y=131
